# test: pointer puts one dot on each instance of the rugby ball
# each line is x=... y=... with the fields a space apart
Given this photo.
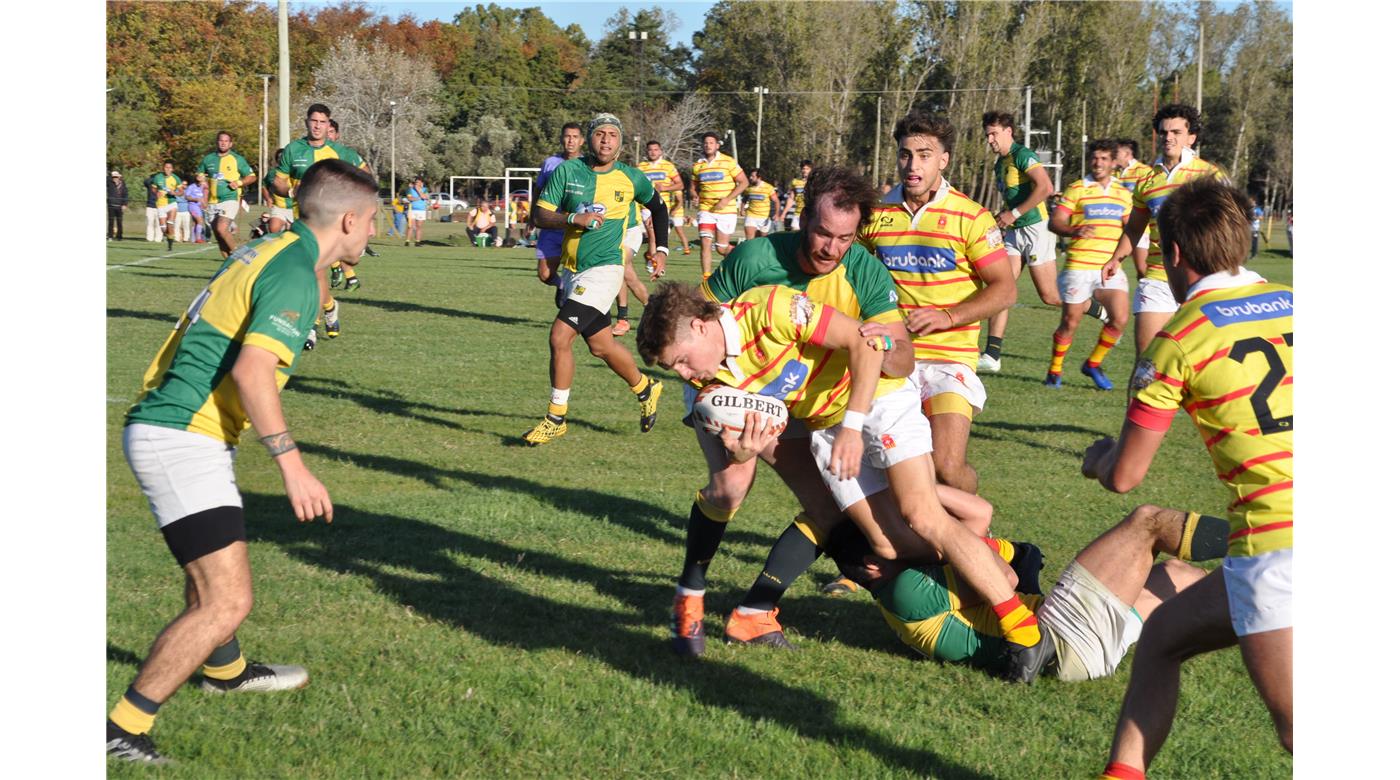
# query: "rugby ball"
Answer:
x=720 y=408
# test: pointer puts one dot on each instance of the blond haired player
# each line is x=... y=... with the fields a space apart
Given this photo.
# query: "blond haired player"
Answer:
x=1226 y=358
x=946 y=255
x=1091 y=214
x=1177 y=125
x=868 y=439
x=716 y=182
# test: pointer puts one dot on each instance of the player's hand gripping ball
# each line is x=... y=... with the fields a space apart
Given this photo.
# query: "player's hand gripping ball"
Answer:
x=720 y=408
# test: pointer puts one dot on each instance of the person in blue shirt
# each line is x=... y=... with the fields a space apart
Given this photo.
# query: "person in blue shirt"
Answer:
x=417 y=197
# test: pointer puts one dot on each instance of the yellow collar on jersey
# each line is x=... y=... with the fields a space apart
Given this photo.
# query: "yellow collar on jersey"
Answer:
x=1224 y=280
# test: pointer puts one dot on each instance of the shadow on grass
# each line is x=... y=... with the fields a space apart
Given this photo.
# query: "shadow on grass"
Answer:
x=123 y=656
x=403 y=307
x=1007 y=432
x=144 y=315
x=376 y=545
x=144 y=273
x=640 y=517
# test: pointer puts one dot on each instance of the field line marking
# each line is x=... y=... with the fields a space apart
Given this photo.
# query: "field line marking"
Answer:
x=144 y=260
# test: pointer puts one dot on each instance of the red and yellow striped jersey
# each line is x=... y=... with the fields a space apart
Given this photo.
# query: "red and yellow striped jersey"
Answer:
x=759 y=200
x=1133 y=173
x=1105 y=209
x=1152 y=192
x=714 y=179
x=1226 y=357
x=782 y=353
x=661 y=172
x=934 y=256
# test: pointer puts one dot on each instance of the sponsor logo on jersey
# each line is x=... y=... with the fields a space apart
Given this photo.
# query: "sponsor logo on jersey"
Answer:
x=286 y=324
x=793 y=375
x=712 y=176
x=916 y=258
x=1103 y=211
x=1268 y=306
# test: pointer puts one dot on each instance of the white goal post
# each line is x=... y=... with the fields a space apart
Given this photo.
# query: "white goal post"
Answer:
x=526 y=175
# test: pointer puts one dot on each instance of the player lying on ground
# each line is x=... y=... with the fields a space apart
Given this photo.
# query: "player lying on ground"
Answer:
x=1091 y=617
x=870 y=441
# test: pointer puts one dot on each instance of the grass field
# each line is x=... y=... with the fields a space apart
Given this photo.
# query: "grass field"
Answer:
x=483 y=609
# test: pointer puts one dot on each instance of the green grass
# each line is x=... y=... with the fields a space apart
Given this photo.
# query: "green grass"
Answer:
x=479 y=608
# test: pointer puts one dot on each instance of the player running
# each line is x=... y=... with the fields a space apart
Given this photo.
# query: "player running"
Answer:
x=1226 y=357
x=868 y=440
x=298 y=157
x=1092 y=615
x=590 y=199
x=1024 y=186
x=162 y=187
x=946 y=256
x=1153 y=304
x=1091 y=214
x=796 y=197
x=761 y=203
x=667 y=181
x=228 y=173
x=220 y=371
x=716 y=182
x=549 y=246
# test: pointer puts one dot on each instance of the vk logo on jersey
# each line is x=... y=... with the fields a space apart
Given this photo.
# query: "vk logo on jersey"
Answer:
x=595 y=208
x=1267 y=306
x=707 y=176
x=916 y=258
x=1113 y=211
x=794 y=373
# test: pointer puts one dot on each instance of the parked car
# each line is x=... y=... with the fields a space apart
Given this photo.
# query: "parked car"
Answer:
x=446 y=203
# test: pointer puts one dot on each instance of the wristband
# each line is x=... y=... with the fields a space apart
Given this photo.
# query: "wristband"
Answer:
x=1015 y=213
x=853 y=420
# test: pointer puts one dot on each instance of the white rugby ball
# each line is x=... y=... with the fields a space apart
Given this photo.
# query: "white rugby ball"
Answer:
x=720 y=408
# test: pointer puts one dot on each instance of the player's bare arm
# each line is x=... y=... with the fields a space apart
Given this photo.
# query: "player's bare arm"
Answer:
x=1121 y=465
x=281 y=185
x=549 y=219
x=741 y=183
x=255 y=375
x=1059 y=225
x=999 y=294
x=898 y=355
x=1041 y=188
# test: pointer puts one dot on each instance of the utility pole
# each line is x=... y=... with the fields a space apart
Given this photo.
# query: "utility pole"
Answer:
x=284 y=78
x=640 y=37
x=262 y=139
x=394 y=149
x=879 y=131
x=758 y=142
x=1200 y=54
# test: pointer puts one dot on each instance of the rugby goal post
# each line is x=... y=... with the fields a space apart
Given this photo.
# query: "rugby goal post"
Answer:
x=526 y=175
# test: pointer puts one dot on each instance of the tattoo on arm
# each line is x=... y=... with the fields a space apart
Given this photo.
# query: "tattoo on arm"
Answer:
x=278 y=443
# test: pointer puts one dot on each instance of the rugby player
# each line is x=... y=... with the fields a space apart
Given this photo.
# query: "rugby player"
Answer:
x=638 y=227
x=667 y=181
x=338 y=271
x=1024 y=186
x=1131 y=171
x=162 y=186
x=1177 y=125
x=795 y=200
x=1092 y=615
x=220 y=371
x=549 y=245
x=761 y=199
x=228 y=173
x=1226 y=357
x=946 y=256
x=279 y=207
x=716 y=182
x=868 y=441
x=590 y=199
x=297 y=157
x=1091 y=214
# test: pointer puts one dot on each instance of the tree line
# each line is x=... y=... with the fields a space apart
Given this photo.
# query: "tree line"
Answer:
x=490 y=88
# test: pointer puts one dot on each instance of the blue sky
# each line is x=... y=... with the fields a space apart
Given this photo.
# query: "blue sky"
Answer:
x=588 y=14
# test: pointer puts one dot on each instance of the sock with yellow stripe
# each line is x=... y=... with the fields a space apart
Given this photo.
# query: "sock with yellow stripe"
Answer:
x=993 y=349
x=329 y=307
x=642 y=389
x=702 y=538
x=1204 y=538
x=797 y=548
x=1057 y=354
x=226 y=662
x=134 y=713
x=1006 y=550
x=349 y=272
x=1119 y=771
x=1018 y=624
x=558 y=404
x=1108 y=337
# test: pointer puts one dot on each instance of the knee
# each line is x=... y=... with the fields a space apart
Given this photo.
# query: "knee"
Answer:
x=229 y=610
x=600 y=349
x=725 y=494
x=1145 y=516
x=561 y=339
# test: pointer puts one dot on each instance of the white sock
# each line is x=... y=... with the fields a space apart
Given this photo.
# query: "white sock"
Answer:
x=689 y=592
x=750 y=611
x=559 y=397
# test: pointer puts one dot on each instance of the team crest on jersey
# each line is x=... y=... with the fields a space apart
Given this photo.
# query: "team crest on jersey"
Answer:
x=886 y=221
x=943 y=220
x=1143 y=375
x=887 y=441
x=579 y=290
x=617 y=195
x=801 y=310
x=993 y=238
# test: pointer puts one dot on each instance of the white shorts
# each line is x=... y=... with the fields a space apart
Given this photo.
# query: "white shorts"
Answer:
x=894 y=431
x=710 y=223
x=793 y=219
x=418 y=215
x=1260 y=589
x=632 y=239
x=227 y=209
x=761 y=224
x=1079 y=285
x=937 y=377
x=283 y=213
x=180 y=472
x=1092 y=629
x=1153 y=296
x=169 y=209
x=1034 y=243
x=595 y=288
